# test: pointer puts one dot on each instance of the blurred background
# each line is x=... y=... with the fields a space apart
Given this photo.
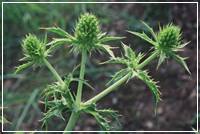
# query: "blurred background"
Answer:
x=176 y=111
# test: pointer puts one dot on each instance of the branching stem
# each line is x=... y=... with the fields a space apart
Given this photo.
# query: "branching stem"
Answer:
x=148 y=60
x=108 y=90
x=75 y=115
x=119 y=82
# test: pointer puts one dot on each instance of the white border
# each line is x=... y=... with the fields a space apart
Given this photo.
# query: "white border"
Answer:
x=102 y=3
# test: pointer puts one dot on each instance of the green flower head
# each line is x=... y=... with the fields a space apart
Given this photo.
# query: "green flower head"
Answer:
x=34 y=52
x=167 y=42
x=34 y=49
x=86 y=31
x=169 y=37
x=87 y=36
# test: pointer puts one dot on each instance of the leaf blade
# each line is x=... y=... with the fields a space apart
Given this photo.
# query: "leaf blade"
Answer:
x=143 y=75
x=58 y=30
x=22 y=67
x=144 y=37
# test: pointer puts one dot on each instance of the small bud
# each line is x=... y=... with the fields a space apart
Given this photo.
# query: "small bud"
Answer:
x=169 y=36
x=34 y=49
x=87 y=30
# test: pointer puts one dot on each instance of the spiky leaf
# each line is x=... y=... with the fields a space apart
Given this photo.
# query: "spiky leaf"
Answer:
x=57 y=43
x=58 y=31
x=103 y=117
x=181 y=61
x=144 y=37
x=117 y=76
x=106 y=48
x=143 y=75
x=23 y=67
x=109 y=38
x=150 y=30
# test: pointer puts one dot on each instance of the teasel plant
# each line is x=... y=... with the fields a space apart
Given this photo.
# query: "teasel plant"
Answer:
x=59 y=98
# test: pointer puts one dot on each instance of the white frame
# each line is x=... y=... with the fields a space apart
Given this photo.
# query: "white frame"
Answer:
x=102 y=3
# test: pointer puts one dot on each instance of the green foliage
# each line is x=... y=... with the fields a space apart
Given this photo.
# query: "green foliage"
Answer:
x=143 y=75
x=34 y=52
x=167 y=42
x=132 y=62
x=102 y=116
x=59 y=98
x=87 y=36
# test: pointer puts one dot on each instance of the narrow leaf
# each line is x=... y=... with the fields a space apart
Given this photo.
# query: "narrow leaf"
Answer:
x=102 y=116
x=116 y=60
x=110 y=38
x=101 y=35
x=23 y=67
x=56 y=43
x=181 y=61
x=107 y=49
x=84 y=82
x=183 y=45
x=161 y=59
x=58 y=31
x=144 y=37
x=128 y=52
x=150 y=30
x=118 y=75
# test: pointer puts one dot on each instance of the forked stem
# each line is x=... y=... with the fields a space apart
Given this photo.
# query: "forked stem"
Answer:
x=108 y=90
x=148 y=60
x=119 y=82
x=75 y=115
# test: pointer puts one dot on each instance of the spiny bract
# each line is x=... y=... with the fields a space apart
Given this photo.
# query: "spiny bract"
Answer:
x=169 y=36
x=34 y=49
x=86 y=31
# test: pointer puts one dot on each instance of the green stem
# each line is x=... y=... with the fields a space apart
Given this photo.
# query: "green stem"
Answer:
x=108 y=90
x=148 y=60
x=81 y=77
x=55 y=74
x=75 y=115
x=119 y=82
x=72 y=121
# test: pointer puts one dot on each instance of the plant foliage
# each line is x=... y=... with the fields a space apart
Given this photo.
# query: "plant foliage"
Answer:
x=168 y=41
x=59 y=98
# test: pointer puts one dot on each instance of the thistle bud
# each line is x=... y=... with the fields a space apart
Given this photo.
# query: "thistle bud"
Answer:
x=86 y=31
x=169 y=36
x=34 y=49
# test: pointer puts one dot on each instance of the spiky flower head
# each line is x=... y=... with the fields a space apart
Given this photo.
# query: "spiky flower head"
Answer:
x=34 y=49
x=87 y=36
x=169 y=37
x=167 y=42
x=86 y=31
